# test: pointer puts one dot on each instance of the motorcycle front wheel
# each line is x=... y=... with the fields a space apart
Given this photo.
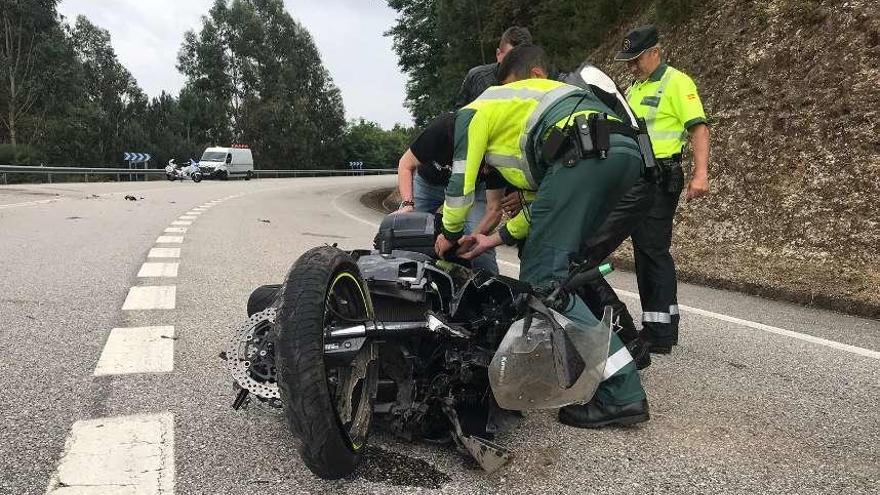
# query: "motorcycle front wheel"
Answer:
x=329 y=406
x=197 y=177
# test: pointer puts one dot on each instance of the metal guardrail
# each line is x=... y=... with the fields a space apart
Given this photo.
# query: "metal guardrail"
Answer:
x=119 y=172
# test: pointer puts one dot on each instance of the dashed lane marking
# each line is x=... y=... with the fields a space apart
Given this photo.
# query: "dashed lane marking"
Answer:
x=175 y=230
x=137 y=350
x=169 y=239
x=150 y=297
x=149 y=269
x=125 y=455
x=181 y=222
x=187 y=217
x=164 y=253
x=193 y=213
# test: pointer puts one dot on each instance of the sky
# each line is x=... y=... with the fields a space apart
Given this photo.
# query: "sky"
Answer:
x=147 y=34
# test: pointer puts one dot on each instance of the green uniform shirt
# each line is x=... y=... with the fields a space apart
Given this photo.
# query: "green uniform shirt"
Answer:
x=669 y=103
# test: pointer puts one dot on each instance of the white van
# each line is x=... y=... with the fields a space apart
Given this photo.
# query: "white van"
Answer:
x=223 y=163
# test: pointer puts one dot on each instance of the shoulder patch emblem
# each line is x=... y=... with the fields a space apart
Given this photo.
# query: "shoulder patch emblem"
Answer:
x=627 y=44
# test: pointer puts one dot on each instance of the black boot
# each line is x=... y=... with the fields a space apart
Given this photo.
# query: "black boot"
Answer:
x=641 y=353
x=664 y=347
x=594 y=414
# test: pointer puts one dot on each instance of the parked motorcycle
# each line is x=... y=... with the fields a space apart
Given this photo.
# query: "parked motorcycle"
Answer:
x=174 y=171
x=436 y=350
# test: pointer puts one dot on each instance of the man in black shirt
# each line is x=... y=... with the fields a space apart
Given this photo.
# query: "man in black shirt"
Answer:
x=423 y=173
x=482 y=76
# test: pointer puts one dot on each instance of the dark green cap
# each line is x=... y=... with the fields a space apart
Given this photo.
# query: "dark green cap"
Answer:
x=637 y=41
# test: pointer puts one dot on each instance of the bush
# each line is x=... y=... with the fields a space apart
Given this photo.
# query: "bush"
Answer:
x=21 y=154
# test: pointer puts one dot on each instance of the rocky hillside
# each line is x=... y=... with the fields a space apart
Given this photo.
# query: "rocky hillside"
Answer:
x=792 y=90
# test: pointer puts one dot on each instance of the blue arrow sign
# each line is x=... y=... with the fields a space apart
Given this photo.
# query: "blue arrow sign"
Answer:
x=136 y=157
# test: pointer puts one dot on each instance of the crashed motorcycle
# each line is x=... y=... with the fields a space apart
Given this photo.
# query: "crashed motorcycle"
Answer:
x=174 y=171
x=427 y=347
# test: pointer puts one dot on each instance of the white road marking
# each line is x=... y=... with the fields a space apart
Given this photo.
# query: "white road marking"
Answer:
x=125 y=455
x=187 y=217
x=150 y=297
x=181 y=222
x=176 y=230
x=169 y=239
x=168 y=270
x=30 y=203
x=137 y=350
x=349 y=215
x=771 y=329
x=702 y=312
x=753 y=325
x=193 y=213
x=164 y=253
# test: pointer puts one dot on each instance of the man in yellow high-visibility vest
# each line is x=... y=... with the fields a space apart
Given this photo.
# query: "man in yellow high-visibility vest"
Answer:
x=668 y=100
x=512 y=129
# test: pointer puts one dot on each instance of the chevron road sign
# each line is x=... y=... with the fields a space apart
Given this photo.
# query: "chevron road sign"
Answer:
x=136 y=157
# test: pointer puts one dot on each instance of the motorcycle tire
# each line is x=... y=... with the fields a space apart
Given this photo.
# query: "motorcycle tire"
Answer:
x=323 y=287
x=197 y=177
x=170 y=177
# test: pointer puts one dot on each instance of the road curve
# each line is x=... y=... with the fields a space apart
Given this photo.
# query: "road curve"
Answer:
x=759 y=397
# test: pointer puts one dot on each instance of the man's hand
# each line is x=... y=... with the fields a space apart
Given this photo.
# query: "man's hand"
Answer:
x=477 y=244
x=403 y=209
x=512 y=204
x=697 y=187
x=465 y=244
x=441 y=245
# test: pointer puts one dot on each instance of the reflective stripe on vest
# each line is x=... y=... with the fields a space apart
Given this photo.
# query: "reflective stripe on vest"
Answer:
x=651 y=116
x=545 y=101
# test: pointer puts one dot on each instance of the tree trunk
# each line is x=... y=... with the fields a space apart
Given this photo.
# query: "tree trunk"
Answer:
x=11 y=125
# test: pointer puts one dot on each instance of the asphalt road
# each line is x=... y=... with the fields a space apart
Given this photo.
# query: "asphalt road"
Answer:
x=758 y=397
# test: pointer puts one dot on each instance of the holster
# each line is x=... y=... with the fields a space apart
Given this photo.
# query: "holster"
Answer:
x=671 y=174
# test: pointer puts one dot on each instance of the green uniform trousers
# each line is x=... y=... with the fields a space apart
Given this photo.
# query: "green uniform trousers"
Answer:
x=571 y=203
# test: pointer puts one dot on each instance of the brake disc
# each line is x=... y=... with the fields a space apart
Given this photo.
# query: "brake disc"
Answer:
x=250 y=357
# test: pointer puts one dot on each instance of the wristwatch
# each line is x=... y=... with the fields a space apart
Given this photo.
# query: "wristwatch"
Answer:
x=406 y=203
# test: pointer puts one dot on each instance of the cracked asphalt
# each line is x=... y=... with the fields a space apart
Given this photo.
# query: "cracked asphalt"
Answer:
x=734 y=409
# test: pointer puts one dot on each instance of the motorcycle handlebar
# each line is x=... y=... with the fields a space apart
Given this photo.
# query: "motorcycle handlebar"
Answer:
x=582 y=278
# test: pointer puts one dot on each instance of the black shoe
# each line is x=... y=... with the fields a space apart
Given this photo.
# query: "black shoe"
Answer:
x=641 y=353
x=660 y=347
x=594 y=414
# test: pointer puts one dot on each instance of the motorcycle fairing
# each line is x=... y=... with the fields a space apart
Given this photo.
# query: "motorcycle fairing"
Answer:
x=525 y=370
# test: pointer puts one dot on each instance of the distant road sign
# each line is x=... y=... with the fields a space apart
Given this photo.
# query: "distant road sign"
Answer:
x=136 y=157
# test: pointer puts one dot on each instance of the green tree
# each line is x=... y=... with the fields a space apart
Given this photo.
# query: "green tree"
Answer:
x=438 y=40
x=367 y=142
x=113 y=105
x=30 y=36
x=255 y=76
